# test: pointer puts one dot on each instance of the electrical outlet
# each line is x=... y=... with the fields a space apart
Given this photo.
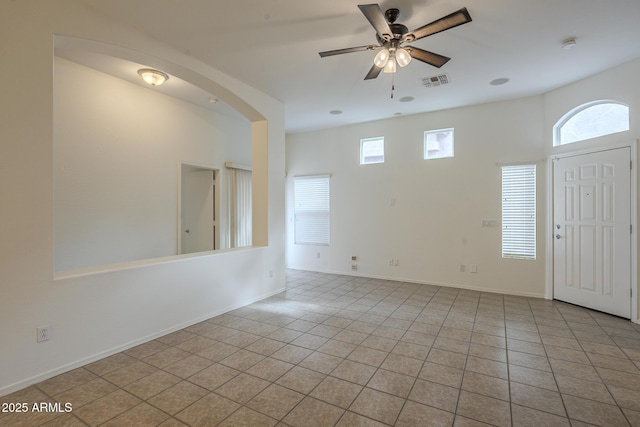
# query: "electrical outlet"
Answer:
x=473 y=268
x=396 y=262
x=42 y=333
x=318 y=255
x=390 y=261
x=462 y=268
x=354 y=267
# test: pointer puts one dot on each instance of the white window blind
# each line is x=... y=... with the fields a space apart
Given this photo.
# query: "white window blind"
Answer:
x=519 y=211
x=240 y=199
x=311 y=210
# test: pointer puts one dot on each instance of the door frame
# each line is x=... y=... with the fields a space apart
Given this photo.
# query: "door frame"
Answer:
x=216 y=202
x=634 y=218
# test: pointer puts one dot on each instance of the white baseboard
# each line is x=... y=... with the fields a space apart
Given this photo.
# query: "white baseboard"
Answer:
x=110 y=352
x=424 y=282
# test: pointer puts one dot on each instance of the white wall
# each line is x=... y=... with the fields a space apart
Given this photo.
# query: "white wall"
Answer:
x=435 y=223
x=117 y=154
x=427 y=214
x=97 y=314
x=619 y=84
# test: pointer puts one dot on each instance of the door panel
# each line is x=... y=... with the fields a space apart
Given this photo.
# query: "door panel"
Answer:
x=592 y=239
x=197 y=211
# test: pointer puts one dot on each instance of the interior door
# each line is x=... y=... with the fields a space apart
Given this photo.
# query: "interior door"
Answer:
x=197 y=211
x=592 y=230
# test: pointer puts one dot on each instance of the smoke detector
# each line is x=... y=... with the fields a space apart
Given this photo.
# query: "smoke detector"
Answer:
x=437 y=80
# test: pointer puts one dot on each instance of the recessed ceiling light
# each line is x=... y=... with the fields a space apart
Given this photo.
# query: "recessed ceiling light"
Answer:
x=335 y=112
x=406 y=99
x=498 y=82
x=569 y=43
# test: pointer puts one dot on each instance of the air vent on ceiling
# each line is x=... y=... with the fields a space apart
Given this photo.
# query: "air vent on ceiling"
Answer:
x=437 y=80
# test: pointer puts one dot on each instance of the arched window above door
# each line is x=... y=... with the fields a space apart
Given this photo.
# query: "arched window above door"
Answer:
x=591 y=120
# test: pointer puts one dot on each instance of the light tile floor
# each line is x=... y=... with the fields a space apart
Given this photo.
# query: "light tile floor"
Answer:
x=344 y=351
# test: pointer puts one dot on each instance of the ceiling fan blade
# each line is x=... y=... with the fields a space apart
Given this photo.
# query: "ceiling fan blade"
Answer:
x=376 y=18
x=452 y=20
x=348 y=50
x=427 y=57
x=373 y=72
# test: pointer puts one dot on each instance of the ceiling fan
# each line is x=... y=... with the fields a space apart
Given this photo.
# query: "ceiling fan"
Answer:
x=394 y=39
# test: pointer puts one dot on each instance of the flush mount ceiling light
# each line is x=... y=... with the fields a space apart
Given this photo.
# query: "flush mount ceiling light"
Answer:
x=153 y=77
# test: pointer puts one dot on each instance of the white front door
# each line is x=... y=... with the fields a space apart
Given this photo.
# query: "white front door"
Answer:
x=592 y=230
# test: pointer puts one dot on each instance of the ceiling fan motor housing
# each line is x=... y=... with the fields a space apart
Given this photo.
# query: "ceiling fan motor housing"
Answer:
x=398 y=31
x=392 y=15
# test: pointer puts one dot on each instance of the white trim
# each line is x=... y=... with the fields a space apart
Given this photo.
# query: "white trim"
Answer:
x=633 y=145
x=363 y=141
x=118 y=349
x=531 y=162
x=635 y=316
x=424 y=282
x=216 y=198
x=579 y=109
x=325 y=175
x=425 y=151
x=231 y=165
x=548 y=265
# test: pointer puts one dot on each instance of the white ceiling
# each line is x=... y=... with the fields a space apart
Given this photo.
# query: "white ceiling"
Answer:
x=273 y=45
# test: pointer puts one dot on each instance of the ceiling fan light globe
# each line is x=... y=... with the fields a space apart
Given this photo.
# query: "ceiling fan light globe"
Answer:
x=390 y=67
x=402 y=57
x=382 y=58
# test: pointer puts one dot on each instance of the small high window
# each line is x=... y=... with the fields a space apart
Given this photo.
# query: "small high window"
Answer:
x=372 y=150
x=591 y=120
x=438 y=144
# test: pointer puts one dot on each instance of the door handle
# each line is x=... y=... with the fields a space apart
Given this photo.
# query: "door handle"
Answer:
x=558 y=236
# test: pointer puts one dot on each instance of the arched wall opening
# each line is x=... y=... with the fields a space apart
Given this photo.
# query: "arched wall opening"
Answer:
x=98 y=227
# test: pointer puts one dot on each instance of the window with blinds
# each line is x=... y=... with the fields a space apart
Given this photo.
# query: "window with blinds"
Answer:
x=519 y=211
x=239 y=232
x=311 y=210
